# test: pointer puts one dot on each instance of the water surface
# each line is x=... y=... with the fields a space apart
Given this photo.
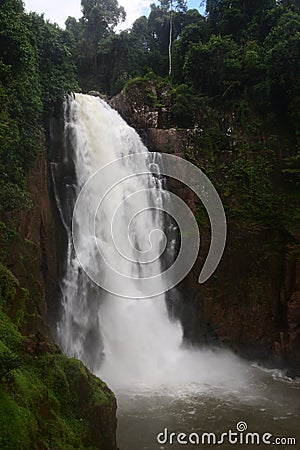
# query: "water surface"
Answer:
x=270 y=403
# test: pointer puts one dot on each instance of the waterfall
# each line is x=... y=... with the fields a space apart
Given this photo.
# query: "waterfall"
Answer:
x=126 y=341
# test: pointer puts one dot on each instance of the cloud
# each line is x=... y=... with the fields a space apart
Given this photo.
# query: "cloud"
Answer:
x=134 y=9
x=58 y=10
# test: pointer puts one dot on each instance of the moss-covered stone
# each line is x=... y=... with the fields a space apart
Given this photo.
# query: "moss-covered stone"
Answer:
x=51 y=401
x=46 y=400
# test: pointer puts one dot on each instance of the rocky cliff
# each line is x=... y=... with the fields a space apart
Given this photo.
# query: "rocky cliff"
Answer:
x=46 y=400
x=252 y=303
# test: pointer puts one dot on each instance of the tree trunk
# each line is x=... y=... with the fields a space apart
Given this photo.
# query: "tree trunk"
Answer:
x=170 y=39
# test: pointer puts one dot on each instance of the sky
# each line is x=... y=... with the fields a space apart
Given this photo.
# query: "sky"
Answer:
x=58 y=10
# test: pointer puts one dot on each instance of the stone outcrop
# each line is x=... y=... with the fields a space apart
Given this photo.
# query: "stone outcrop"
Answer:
x=136 y=112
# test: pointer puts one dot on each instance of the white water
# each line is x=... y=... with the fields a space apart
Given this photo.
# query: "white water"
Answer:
x=132 y=344
x=126 y=342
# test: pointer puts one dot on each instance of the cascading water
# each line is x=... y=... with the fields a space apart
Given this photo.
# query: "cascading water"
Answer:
x=132 y=344
x=125 y=341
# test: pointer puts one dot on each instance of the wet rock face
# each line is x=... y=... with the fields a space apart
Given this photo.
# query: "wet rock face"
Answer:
x=252 y=303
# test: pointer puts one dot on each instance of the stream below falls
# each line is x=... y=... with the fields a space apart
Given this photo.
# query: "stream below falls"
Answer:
x=266 y=401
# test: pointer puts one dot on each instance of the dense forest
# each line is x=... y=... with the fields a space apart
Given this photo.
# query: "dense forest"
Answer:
x=232 y=75
x=241 y=58
x=36 y=70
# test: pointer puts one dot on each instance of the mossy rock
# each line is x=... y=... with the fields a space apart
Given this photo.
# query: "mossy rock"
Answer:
x=50 y=401
x=13 y=298
x=8 y=286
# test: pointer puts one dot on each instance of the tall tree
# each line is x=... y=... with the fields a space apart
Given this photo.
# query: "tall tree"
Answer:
x=171 y=6
x=100 y=17
x=170 y=38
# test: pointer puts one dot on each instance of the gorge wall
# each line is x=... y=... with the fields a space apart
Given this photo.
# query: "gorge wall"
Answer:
x=46 y=400
x=252 y=303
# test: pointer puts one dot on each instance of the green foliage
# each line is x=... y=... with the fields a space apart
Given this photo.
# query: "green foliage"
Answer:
x=201 y=216
x=55 y=64
x=282 y=45
x=251 y=180
x=291 y=170
x=20 y=105
x=232 y=17
x=46 y=400
x=38 y=408
x=87 y=38
x=36 y=70
x=10 y=337
x=143 y=90
x=12 y=298
x=194 y=30
x=7 y=235
x=218 y=65
x=106 y=61
x=184 y=106
x=16 y=422
x=108 y=12
x=8 y=286
x=12 y=196
x=99 y=19
x=237 y=54
x=8 y=362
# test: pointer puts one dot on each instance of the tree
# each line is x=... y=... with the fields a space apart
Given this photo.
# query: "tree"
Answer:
x=282 y=47
x=8 y=362
x=167 y=13
x=55 y=64
x=170 y=37
x=36 y=70
x=195 y=30
x=20 y=100
x=233 y=16
x=214 y=67
x=100 y=17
